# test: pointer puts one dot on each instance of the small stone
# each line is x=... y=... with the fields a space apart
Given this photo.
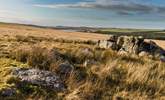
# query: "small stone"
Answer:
x=143 y=53
x=162 y=58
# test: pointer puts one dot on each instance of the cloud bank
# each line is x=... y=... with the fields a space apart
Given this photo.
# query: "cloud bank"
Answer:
x=123 y=7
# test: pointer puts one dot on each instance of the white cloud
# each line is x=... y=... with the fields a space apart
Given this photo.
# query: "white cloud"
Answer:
x=118 y=6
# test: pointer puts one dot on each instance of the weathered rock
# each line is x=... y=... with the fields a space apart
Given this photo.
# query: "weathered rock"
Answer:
x=162 y=58
x=113 y=38
x=127 y=43
x=152 y=48
x=133 y=45
x=8 y=92
x=39 y=77
x=143 y=54
x=65 y=68
x=108 y=44
x=122 y=52
x=120 y=41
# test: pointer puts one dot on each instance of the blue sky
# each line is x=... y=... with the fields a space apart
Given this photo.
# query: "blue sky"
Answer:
x=94 y=13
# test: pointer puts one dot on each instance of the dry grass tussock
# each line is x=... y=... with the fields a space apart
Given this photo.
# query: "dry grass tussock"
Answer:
x=121 y=80
x=97 y=74
x=109 y=76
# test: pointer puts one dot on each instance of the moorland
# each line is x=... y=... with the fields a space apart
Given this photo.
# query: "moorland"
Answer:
x=42 y=63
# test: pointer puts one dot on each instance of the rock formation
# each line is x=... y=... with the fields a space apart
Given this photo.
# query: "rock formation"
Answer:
x=132 y=45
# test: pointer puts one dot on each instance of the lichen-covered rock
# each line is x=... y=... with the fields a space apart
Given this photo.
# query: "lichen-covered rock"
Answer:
x=131 y=44
x=39 y=77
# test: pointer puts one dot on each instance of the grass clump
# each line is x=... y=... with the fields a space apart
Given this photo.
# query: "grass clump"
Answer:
x=11 y=88
x=122 y=78
x=38 y=57
x=107 y=76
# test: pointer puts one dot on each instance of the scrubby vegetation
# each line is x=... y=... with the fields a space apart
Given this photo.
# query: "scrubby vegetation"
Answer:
x=98 y=74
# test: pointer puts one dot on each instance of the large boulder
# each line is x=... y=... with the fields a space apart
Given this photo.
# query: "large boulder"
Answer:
x=152 y=48
x=107 y=44
x=39 y=77
x=110 y=43
x=113 y=38
x=130 y=44
x=133 y=45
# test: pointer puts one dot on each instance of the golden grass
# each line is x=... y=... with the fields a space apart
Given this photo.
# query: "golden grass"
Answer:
x=108 y=76
x=13 y=30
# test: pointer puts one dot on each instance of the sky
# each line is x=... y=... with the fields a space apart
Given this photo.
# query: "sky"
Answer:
x=148 y=14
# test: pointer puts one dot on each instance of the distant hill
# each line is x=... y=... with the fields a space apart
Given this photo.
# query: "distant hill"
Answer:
x=146 y=33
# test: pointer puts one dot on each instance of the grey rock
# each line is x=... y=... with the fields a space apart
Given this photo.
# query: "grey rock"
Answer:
x=132 y=45
x=152 y=48
x=65 y=68
x=162 y=58
x=113 y=38
x=108 y=44
x=8 y=92
x=120 y=41
x=39 y=77
x=143 y=54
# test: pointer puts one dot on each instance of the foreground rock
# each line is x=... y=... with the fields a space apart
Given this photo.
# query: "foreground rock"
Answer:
x=64 y=70
x=133 y=45
x=8 y=92
x=39 y=77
